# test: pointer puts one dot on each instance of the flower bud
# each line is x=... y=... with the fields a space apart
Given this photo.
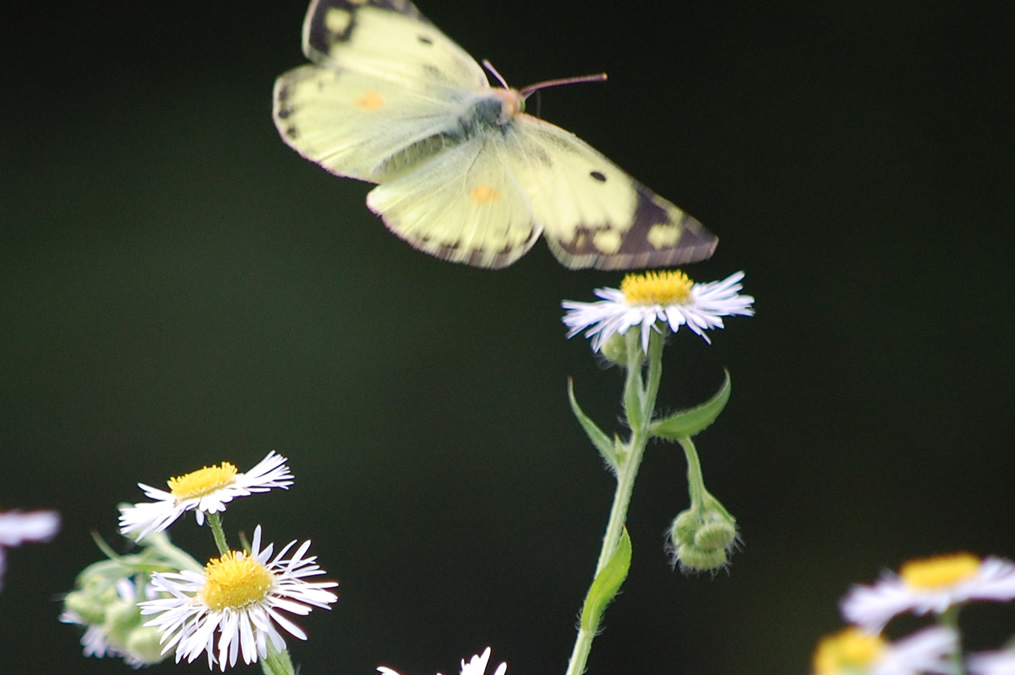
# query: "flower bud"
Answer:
x=701 y=539
x=615 y=350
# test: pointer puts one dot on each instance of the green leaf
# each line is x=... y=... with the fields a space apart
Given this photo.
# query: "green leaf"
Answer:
x=606 y=584
x=687 y=423
x=599 y=439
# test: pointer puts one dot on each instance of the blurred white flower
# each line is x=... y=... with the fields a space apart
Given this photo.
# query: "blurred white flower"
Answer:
x=17 y=527
x=475 y=666
x=855 y=652
x=930 y=585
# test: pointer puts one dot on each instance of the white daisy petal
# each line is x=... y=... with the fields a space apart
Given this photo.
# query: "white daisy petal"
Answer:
x=992 y=663
x=234 y=608
x=207 y=490
x=654 y=298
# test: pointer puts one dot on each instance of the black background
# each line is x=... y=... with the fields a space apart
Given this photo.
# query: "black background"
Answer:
x=178 y=288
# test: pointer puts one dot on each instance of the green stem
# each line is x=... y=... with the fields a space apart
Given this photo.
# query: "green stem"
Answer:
x=215 y=523
x=950 y=619
x=639 y=403
x=695 y=481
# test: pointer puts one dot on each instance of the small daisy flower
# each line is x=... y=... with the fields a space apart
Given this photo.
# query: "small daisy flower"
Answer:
x=233 y=607
x=930 y=585
x=207 y=490
x=18 y=527
x=855 y=652
x=475 y=666
x=992 y=663
x=653 y=297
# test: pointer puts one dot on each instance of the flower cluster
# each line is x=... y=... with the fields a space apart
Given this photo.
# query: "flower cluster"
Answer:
x=143 y=607
x=937 y=586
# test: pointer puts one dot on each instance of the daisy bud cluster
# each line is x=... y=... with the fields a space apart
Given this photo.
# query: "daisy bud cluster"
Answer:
x=701 y=538
x=105 y=604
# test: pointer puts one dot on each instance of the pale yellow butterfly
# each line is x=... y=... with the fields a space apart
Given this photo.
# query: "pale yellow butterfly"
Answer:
x=464 y=173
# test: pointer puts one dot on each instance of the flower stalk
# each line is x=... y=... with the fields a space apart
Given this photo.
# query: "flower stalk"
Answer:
x=639 y=402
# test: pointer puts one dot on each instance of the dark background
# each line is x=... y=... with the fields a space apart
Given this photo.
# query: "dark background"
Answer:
x=178 y=288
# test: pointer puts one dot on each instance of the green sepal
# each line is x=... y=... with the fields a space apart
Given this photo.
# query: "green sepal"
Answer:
x=606 y=584
x=603 y=444
x=277 y=663
x=687 y=423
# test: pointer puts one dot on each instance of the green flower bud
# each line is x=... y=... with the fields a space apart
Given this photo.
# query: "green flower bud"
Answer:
x=615 y=350
x=715 y=535
x=87 y=606
x=121 y=618
x=701 y=540
x=694 y=559
x=143 y=644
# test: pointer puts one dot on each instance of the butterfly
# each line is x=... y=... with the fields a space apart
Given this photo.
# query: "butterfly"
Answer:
x=462 y=171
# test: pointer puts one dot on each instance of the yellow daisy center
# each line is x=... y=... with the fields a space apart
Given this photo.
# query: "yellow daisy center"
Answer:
x=203 y=481
x=944 y=570
x=235 y=581
x=849 y=648
x=656 y=288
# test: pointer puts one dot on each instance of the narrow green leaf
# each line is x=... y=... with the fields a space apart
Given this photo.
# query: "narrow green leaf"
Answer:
x=599 y=439
x=606 y=584
x=687 y=423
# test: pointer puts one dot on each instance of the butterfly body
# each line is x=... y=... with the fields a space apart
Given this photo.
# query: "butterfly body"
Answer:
x=463 y=172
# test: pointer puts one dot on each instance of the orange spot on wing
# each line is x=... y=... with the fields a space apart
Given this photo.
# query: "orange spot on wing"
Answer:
x=370 y=101
x=484 y=194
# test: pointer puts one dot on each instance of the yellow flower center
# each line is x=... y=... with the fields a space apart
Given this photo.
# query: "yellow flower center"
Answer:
x=848 y=649
x=203 y=481
x=656 y=288
x=235 y=581
x=944 y=570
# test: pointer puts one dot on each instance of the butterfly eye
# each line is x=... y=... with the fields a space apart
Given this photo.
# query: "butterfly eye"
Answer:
x=598 y=176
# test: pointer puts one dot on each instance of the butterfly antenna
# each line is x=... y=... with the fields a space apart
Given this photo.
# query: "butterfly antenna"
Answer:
x=532 y=88
x=489 y=66
x=527 y=91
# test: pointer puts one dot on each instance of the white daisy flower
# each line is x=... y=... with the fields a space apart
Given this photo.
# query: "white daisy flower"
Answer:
x=930 y=585
x=653 y=297
x=233 y=607
x=207 y=490
x=17 y=527
x=475 y=666
x=992 y=663
x=855 y=652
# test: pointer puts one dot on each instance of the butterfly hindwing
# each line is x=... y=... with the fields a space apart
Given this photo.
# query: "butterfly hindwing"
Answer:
x=593 y=213
x=463 y=205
